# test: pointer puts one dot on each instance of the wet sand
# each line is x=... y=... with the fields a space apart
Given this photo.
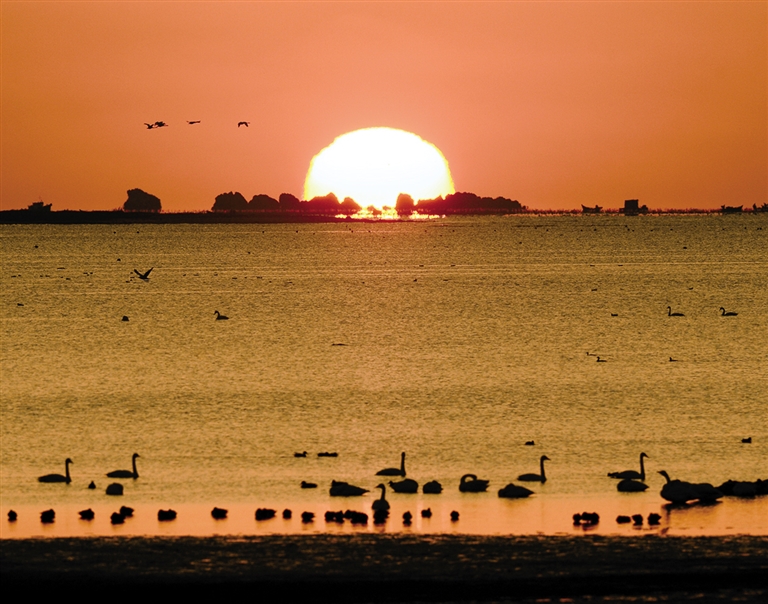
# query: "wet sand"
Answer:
x=383 y=567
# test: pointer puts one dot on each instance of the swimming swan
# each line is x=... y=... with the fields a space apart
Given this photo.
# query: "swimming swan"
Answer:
x=673 y=314
x=220 y=317
x=631 y=486
x=394 y=471
x=727 y=314
x=344 y=489
x=408 y=485
x=513 y=491
x=631 y=474
x=58 y=477
x=470 y=484
x=381 y=504
x=126 y=473
x=677 y=491
x=536 y=477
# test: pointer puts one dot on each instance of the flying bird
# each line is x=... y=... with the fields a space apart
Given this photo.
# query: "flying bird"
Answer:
x=149 y=126
x=160 y=124
x=246 y=124
x=144 y=276
x=193 y=122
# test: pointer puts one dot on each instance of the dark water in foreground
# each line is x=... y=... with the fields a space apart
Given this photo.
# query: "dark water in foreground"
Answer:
x=462 y=339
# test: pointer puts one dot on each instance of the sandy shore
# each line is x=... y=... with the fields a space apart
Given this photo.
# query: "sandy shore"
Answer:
x=372 y=567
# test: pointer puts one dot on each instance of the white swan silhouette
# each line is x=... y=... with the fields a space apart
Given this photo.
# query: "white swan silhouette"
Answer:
x=394 y=471
x=126 y=473
x=536 y=477
x=58 y=477
x=631 y=474
x=381 y=503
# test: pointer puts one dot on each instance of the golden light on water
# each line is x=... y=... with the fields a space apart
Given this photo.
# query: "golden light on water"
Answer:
x=374 y=165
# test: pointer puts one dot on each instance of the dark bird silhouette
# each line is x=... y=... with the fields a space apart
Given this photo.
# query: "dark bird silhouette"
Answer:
x=144 y=276
x=529 y=443
x=536 y=477
x=265 y=514
x=115 y=489
x=126 y=473
x=164 y=515
x=381 y=503
x=631 y=486
x=344 y=489
x=47 y=516
x=394 y=471
x=513 y=491
x=432 y=488
x=86 y=514
x=12 y=516
x=193 y=122
x=302 y=454
x=408 y=485
x=160 y=124
x=308 y=485
x=747 y=440
x=126 y=512
x=723 y=313
x=220 y=317
x=673 y=314
x=631 y=474
x=471 y=484
x=58 y=477
x=149 y=126
x=117 y=518
x=599 y=360
x=246 y=124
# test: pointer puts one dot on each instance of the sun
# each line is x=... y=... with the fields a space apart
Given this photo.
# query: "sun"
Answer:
x=374 y=165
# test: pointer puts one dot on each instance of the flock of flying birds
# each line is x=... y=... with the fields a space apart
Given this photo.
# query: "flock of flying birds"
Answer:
x=161 y=124
x=677 y=492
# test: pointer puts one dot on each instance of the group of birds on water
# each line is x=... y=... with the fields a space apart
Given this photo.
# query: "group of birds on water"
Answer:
x=677 y=492
x=161 y=124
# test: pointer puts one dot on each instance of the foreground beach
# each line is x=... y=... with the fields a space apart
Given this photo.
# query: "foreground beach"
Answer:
x=365 y=567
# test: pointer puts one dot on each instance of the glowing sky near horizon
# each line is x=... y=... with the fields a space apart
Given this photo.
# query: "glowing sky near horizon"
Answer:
x=374 y=165
x=554 y=104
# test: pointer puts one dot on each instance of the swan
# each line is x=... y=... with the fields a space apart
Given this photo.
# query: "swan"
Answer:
x=631 y=474
x=673 y=314
x=631 y=486
x=536 y=477
x=432 y=488
x=58 y=477
x=723 y=313
x=220 y=317
x=471 y=484
x=677 y=491
x=513 y=491
x=394 y=471
x=344 y=489
x=381 y=504
x=407 y=485
x=126 y=473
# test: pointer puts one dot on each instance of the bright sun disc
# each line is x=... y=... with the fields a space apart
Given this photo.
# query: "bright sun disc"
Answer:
x=374 y=165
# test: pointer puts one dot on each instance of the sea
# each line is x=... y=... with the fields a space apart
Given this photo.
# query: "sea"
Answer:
x=455 y=340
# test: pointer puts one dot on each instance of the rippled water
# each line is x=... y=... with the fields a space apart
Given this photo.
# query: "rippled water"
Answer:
x=462 y=339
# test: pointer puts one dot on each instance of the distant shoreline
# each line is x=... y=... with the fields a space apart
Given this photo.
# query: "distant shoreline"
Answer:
x=352 y=568
x=26 y=216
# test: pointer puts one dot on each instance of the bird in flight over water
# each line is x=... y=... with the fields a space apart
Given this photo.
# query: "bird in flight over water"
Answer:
x=144 y=276
x=193 y=122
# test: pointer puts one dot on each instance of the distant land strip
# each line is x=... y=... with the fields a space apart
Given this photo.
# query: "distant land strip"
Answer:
x=403 y=568
x=27 y=216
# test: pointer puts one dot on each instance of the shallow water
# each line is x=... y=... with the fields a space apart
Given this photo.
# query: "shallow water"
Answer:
x=463 y=339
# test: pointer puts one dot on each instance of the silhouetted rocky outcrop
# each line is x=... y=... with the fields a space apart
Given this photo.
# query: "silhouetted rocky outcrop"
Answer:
x=227 y=202
x=141 y=201
x=324 y=204
x=263 y=203
x=289 y=203
x=468 y=203
x=349 y=206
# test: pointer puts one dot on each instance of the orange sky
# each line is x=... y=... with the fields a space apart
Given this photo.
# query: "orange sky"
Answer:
x=552 y=103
